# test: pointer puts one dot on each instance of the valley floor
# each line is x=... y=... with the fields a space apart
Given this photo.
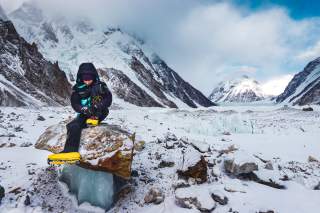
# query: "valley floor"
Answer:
x=285 y=138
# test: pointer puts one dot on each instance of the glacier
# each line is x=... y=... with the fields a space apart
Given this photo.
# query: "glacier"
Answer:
x=94 y=187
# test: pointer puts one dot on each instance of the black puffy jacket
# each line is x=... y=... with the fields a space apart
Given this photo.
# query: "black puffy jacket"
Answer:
x=84 y=95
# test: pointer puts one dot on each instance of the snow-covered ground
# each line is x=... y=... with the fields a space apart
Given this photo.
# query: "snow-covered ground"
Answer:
x=285 y=137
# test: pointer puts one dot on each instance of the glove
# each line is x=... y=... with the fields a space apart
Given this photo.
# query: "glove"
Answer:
x=98 y=106
x=86 y=111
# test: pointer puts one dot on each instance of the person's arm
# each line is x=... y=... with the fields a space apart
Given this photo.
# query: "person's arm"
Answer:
x=75 y=102
x=103 y=91
x=107 y=98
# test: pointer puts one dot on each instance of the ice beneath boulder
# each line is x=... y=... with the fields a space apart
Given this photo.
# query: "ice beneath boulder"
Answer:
x=94 y=187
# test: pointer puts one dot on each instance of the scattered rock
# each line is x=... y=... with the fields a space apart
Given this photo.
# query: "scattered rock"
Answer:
x=40 y=118
x=312 y=159
x=154 y=196
x=180 y=184
x=228 y=150
x=253 y=177
x=26 y=144
x=139 y=146
x=170 y=144
x=269 y=211
x=234 y=168
x=134 y=173
x=16 y=190
x=2 y=192
x=317 y=187
x=200 y=146
x=12 y=145
x=195 y=196
x=18 y=129
x=226 y=133
x=307 y=109
x=219 y=197
x=27 y=201
x=269 y=166
x=170 y=137
x=164 y=164
x=199 y=171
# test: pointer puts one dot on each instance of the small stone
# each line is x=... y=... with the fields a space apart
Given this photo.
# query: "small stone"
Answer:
x=307 y=109
x=2 y=192
x=139 y=146
x=26 y=144
x=40 y=118
x=268 y=166
x=12 y=145
x=164 y=164
x=171 y=137
x=226 y=133
x=170 y=144
x=27 y=201
x=312 y=159
x=219 y=197
x=199 y=171
x=154 y=196
x=134 y=173
x=317 y=187
x=236 y=169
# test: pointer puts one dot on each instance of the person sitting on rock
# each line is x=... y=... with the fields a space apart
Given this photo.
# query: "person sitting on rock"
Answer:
x=91 y=99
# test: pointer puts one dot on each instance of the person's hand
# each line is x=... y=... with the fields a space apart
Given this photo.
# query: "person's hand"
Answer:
x=86 y=111
x=98 y=106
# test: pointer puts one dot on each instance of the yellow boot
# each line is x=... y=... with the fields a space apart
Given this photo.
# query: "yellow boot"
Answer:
x=62 y=158
x=92 y=121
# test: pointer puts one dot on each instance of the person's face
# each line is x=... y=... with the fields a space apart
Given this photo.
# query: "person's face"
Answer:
x=88 y=82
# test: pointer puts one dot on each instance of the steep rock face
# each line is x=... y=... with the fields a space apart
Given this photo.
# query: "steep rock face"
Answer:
x=124 y=88
x=105 y=147
x=73 y=42
x=242 y=90
x=26 y=78
x=304 y=88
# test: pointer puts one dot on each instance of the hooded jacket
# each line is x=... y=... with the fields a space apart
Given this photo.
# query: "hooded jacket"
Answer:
x=96 y=93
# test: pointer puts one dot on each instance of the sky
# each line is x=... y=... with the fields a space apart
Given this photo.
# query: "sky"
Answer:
x=207 y=41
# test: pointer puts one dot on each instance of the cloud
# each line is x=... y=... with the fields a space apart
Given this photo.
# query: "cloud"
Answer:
x=276 y=85
x=311 y=53
x=207 y=41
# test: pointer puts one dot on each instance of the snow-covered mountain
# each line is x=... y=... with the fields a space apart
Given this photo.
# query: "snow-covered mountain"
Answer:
x=240 y=90
x=304 y=88
x=72 y=42
x=3 y=15
x=26 y=78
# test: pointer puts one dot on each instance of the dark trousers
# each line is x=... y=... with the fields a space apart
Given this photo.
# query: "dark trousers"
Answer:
x=74 y=129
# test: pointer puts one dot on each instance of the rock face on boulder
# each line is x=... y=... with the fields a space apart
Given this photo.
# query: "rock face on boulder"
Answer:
x=105 y=147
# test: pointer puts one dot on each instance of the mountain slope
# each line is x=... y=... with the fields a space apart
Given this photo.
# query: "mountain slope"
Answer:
x=304 y=88
x=26 y=78
x=73 y=42
x=242 y=90
x=3 y=15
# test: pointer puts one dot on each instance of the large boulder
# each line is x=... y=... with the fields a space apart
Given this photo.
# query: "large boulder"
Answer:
x=105 y=147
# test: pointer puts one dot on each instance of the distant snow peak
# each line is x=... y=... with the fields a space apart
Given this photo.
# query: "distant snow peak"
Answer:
x=240 y=90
